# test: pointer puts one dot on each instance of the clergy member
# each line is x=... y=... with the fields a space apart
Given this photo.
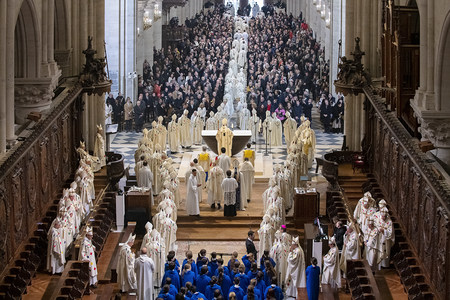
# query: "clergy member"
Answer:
x=224 y=138
x=215 y=192
x=144 y=268
x=331 y=272
x=224 y=160
x=145 y=176
x=192 y=206
x=295 y=274
x=87 y=253
x=247 y=177
x=350 y=249
x=204 y=160
x=99 y=147
x=250 y=154
x=56 y=252
x=126 y=277
x=229 y=186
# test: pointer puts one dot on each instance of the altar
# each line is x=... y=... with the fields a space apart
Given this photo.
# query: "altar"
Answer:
x=240 y=140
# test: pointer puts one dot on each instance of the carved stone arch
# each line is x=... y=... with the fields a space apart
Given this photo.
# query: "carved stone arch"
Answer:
x=442 y=75
x=27 y=42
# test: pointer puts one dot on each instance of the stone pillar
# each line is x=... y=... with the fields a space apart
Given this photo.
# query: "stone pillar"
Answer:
x=429 y=100
x=10 y=21
x=51 y=31
x=423 y=7
x=3 y=29
x=348 y=120
x=45 y=36
x=76 y=69
x=435 y=127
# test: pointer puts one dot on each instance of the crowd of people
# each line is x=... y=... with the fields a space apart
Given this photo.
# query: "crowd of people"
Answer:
x=287 y=70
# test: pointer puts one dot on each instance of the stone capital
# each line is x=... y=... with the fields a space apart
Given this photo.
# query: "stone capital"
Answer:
x=435 y=127
x=32 y=94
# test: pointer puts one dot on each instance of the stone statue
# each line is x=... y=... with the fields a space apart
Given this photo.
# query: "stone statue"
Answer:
x=224 y=138
x=94 y=69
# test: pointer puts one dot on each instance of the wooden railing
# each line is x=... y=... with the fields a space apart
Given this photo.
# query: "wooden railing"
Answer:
x=417 y=194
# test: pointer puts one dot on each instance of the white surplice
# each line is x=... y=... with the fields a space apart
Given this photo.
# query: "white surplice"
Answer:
x=87 y=252
x=331 y=272
x=295 y=274
x=247 y=176
x=192 y=206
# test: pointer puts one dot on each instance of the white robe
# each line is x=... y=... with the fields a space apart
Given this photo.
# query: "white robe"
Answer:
x=56 y=251
x=331 y=273
x=157 y=251
x=350 y=250
x=99 y=149
x=215 y=192
x=247 y=177
x=224 y=162
x=276 y=138
x=174 y=136
x=169 y=232
x=108 y=114
x=125 y=269
x=192 y=206
x=266 y=235
x=87 y=252
x=229 y=186
x=144 y=268
x=295 y=274
x=279 y=253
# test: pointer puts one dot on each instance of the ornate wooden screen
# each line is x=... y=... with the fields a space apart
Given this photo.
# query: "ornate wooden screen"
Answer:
x=34 y=173
x=417 y=194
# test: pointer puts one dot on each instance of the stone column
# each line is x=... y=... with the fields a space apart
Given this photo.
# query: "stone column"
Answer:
x=423 y=7
x=3 y=29
x=51 y=31
x=10 y=120
x=429 y=101
x=75 y=38
x=45 y=36
x=348 y=120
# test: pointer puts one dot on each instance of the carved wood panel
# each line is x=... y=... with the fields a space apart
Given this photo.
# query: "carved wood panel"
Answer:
x=414 y=204
x=33 y=175
x=441 y=273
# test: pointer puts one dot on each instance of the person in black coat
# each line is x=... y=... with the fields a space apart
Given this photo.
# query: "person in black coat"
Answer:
x=250 y=245
x=298 y=111
x=325 y=115
x=307 y=108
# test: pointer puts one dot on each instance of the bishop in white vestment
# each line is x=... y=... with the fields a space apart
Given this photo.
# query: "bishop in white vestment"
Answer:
x=192 y=206
x=295 y=274
x=247 y=176
x=87 y=253
x=56 y=250
x=331 y=273
x=125 y=266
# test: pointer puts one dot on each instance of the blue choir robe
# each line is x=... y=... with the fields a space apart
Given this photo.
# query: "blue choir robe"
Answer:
x=257 y=293
x=198 y=295
x=193 y=266
x=188 y=276
x=202 y=282
x=267 y=278
x=174 y=276
x=213 y=265
x=261 y=286
x=251 y=275
x=278 y=291
x=244 y=282
x=247 y=263
x=238 y=291
x=226 y=271
x=312 y=282
x=210 y=291
x=166 y=296
x=262 y=260
x=173 y=290
x=225 y=285
x=177 y=266
x=229 y=264
x=199 y=262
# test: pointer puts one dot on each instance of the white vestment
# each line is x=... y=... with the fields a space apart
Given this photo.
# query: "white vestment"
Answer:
x=56 y=251
x=144 y=268
x=192 y=206
x=87 y=252
x=157 y=251
x=125 y=269
x=108 y=114
x=350 y=250
x=99 y=149
x=276 y=138
x=266 y=234
x=224 y=162
x=247 y=177
x=295 y=274
x=331 y=272
x=229 y=186
x=215 y=192
x=174 y=136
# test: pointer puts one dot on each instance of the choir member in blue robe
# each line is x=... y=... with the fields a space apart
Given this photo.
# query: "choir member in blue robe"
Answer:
x=173 y=275
x=203 y=280
x=265 y=257
x=237 y=290
x=213 y=263
x=243 y=278
x=220 y=264
x=312 y=280
x=251 y=293
x=253 y=271
x=188 y=275
x=164 y=294
x=224 y=281
x=278 y=293
x=191 y=261
x=212 y=286
x=269 y=272
x=171 y=257
x=172 y=289
x=260 y=283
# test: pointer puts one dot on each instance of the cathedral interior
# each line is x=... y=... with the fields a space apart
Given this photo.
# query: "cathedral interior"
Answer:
x=388 y=60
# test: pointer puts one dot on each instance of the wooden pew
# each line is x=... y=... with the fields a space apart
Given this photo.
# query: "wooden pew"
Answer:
x=115 y=258
x=361 y=281
x=74 y=281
